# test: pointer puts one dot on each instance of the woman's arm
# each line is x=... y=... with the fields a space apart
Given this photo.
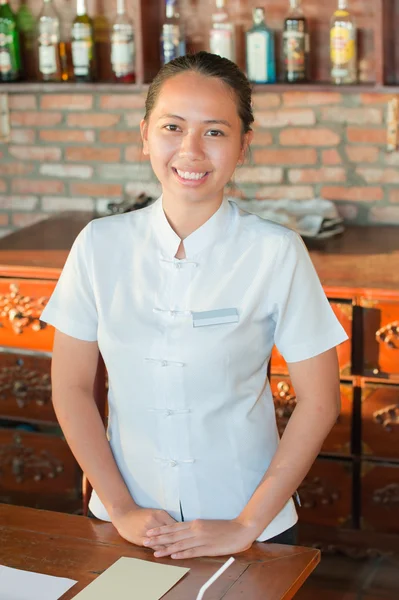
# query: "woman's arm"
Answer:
x=74 y=368
x=316 y=384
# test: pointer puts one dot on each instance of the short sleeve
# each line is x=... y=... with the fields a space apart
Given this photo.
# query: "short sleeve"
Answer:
x=72 y=306
x=305 y=324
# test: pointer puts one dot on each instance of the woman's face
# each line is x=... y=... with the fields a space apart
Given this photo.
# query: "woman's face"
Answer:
x=194 y=137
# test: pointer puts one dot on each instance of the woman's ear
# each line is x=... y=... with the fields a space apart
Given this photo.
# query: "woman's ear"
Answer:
x=246 y=142
x=144 y=136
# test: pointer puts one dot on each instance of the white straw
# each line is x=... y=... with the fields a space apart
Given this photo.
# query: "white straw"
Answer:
x=212 y=579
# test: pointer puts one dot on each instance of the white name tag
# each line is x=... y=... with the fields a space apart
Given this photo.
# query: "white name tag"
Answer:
x=215 y=317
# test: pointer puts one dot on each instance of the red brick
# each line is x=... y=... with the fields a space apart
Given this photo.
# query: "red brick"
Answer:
x=311 y=98
x=22 y=102
x=285 y=117
x=42 y=153
x=317 y=175
x=262 y=138
x=4 y=220
x=120 y=137
x=135 y=154
x=266 y=100
x=259 y=175
x=26 y=219
x=359 y=154
x=57 y=203
x=96 y=189
x=67 y=102
x=290 y=192
x=282 y=156
x=69 y=171
x=384 y=214
x=35 y=186
x=152 y=188
x=3 y=185
x=359 y=135
x=122 y=102
x=97 y=120
x=378 y=175
x=356 y=194
x=353 y=116
x=309 y=137
x=35 y=118
x=67 y=135
x=107 y=155
x=134 y=118
x=392 y=158
x=394 y=195
x=22 y=136
x=331 y=157
x=15 y=168
x=375 y=98
x=18 y=202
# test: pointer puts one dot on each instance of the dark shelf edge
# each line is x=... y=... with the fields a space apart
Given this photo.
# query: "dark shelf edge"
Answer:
x=114 y=88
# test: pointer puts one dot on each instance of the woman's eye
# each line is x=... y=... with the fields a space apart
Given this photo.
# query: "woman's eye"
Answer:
x=171 y=127
x=215 y=133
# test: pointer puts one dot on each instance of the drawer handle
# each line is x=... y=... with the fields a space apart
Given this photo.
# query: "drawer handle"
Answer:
x=21 y=311
x=389 y=335
x=387 y=417
x=388 y=496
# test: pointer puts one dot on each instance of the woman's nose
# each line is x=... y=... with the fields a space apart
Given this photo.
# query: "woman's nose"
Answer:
x=191 y=146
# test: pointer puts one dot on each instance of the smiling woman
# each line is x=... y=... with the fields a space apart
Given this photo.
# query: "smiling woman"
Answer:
x=185 y=300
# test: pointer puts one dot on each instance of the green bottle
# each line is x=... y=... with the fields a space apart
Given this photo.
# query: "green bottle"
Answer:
x=26 y=25
x=83 y=44
x=10 y=57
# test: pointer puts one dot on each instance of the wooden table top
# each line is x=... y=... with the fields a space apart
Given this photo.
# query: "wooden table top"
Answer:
x=360 y=258
x=81 y=548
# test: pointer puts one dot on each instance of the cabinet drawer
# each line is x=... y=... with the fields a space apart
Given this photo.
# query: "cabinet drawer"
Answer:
x=326 y=494
x=21 y=304
x=343 y=311
x=338 y=440
x=380 y=421
x=381 y=339
x=36 y=464
x=380 y=497
x=25 y=387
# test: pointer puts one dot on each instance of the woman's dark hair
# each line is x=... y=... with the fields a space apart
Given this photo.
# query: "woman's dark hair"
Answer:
x=209 y=65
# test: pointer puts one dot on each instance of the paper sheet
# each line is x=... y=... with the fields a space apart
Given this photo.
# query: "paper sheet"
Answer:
x=16 y=584
x=133 y=579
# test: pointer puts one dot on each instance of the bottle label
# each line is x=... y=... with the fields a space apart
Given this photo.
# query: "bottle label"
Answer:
x=294 y=48
x=6 y=42
x=82 y=48
x=342 y=45
x=257 y=58
x=122 y=55
x=221 y=43
x=48 y=59
x=171 y=46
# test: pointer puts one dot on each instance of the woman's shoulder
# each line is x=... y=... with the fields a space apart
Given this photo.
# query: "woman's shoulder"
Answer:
x=260 y=228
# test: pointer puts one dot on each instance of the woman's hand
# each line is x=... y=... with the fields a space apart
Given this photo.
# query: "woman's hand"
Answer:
x=200 y=538
x=134 y=523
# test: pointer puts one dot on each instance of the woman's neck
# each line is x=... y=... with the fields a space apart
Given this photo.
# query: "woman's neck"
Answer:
x=185 y=217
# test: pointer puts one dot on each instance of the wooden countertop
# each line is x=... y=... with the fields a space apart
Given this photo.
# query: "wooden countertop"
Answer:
x=81 y=548
x=362 y=257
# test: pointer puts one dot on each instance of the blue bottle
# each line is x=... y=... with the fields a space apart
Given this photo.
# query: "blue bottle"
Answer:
x=261 y=61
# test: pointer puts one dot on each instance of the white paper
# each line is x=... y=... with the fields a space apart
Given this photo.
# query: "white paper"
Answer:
x=16 y=584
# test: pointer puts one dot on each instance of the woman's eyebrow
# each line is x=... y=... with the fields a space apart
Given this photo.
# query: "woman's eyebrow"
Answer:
x=207 y=121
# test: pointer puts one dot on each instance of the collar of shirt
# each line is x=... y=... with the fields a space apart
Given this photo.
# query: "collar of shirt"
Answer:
x=209 y=233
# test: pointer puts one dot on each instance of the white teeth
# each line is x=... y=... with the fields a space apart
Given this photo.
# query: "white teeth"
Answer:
x=187 y=175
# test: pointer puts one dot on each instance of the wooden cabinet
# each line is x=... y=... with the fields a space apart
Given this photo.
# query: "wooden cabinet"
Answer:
x=380 y=497
x=381 y=338
x=380 y=421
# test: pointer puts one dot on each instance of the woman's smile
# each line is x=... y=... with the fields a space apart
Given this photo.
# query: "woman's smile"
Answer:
x=190 y=178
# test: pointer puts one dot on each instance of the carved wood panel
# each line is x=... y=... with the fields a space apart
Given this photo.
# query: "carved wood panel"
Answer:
x=343 y=311
x=381 y=339
x=326 y=494
x=339 y=439
x=380 y=421
x=25 y=387
x=21 y=304
x=37 y=463
x=380 y=497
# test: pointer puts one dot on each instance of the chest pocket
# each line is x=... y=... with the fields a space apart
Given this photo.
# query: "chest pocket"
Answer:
x=219 y=316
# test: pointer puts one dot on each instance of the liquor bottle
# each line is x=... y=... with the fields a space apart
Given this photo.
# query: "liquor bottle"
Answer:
x=68 y=15
x=82 y=44
x=10 y=56
x=102 y=43
x=261 y=64
x=172 y=37
x=296 y=44
x=343 y=46
x=49 y=43
x=26 y=26
x=122 y=46
x=222 y=38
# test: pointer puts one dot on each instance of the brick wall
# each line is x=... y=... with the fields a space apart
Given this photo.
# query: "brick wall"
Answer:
x=82 y=150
